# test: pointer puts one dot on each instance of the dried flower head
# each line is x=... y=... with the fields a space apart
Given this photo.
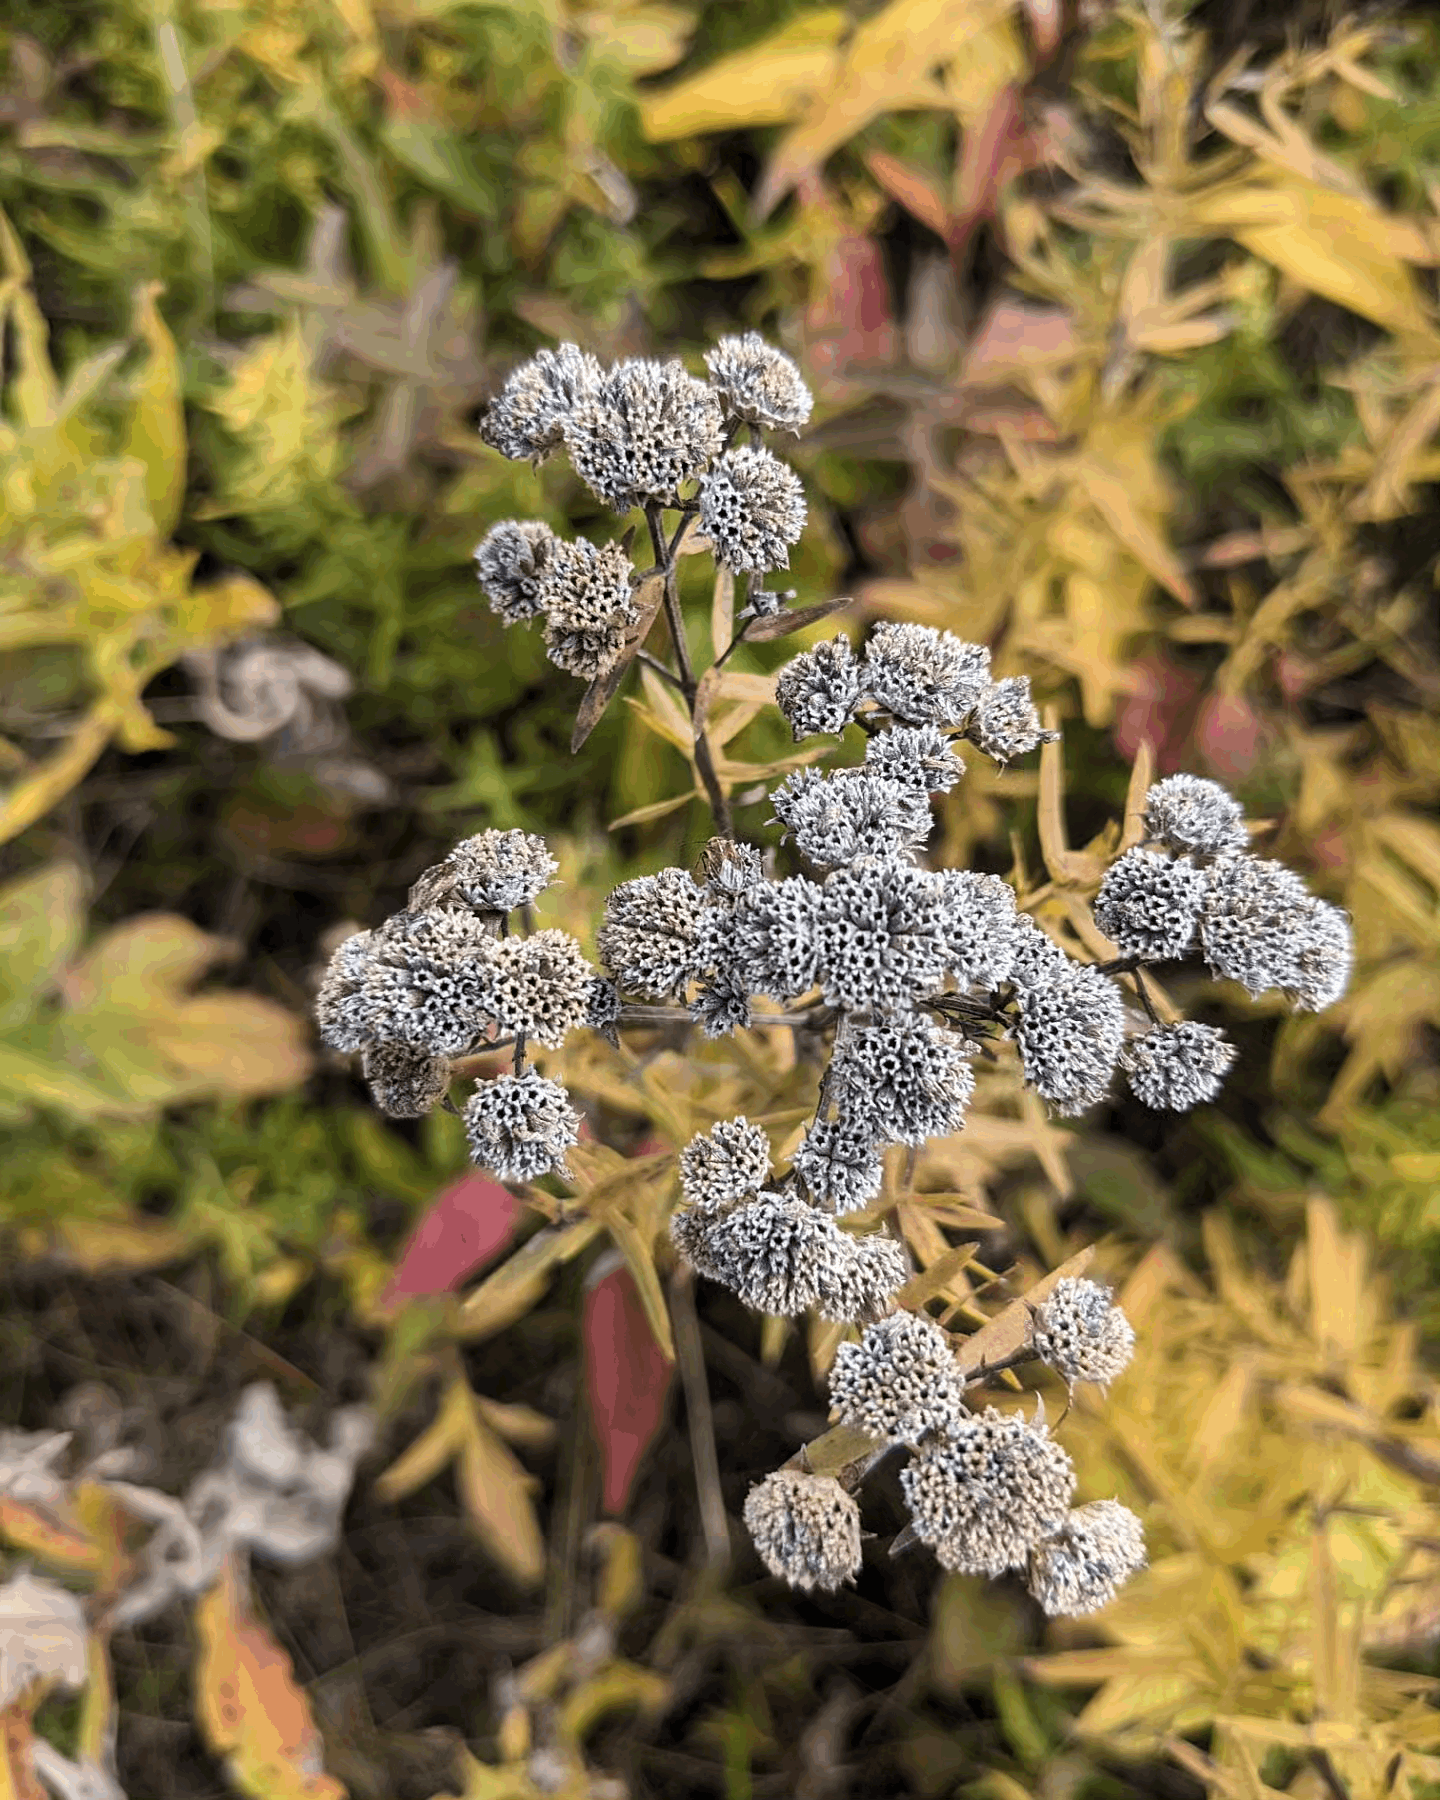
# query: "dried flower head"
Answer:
x=1260 y=927
x=1184 y=812
x=752 y=508
x=1035 y=958
x=986 y=1490
x=1081 y=1333
x=721 y=1005
x=861 y=1285
x=520 y=1126
x=1082 y=1568
x=917 y=756
x=850 y=815
x=496 y=871
x=511 y=561
x=1174 y=1067
x=649 y=940
x=758 y=383
x=881 y=936
x=341 y=1009
x=527 y=419
x=1005 y=723
x=900 y=1381
x=774 y=938
x=1324 y=957
x=642 y=432
x=690 y=1234
x=1149 y=905
x=602 y=1009
x=805 y=1528
x=908 y=1081
x=588 y=606
x=980 y=927
x=924 y=676
x=729 y=1162
x=728 y=871
x=1070 y=1032
x=541 y=987
x=782 y=1256
x=818 y=690
x=406 y=1083
x=429 y=981
x=838 y=1165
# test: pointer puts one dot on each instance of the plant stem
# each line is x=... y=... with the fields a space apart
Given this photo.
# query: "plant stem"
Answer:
x=690 y=1354
x=653 y=662
x=689 y=686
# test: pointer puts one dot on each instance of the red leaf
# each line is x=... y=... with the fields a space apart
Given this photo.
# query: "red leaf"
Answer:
x=1161 y=707
x=849 y=319
x=628 y=1377
x=471 y=1221
x=1230 y=734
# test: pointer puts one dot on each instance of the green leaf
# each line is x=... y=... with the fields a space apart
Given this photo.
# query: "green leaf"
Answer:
x=40 y=925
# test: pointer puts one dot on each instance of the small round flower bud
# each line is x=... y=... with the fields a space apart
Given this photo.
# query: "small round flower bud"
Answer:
x=917 y=756
x=818 y=690
x=520 y=1126
x=729 y=1162
x=540 y=987
x=986 y=1490
x=900 y=1381
x=1005 y=723
x=1087 y=1562
x=496 y=871
x=805 y=1528
x=1081 y=1333
x=526 y=420
x=650 y=939
x=406 y=1083
x=752 y=508
x=851 y=815
x=1149 y=905
x=839 y=1165
x=588 y=606
x=1070 y=1034
x=758 y=383
x=1184 y=812
x=1174 y=1067
x=644 y=431
x=1257 y=919
x=924 y=676
x=510 y=561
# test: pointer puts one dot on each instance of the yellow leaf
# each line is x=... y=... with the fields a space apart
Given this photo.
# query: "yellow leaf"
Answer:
x=495 y=1489
x=1336 y=245
x=155 y=430
x=249 y=1707
x=32 y=797
x=766 y=84
x=1003 y=1335
x=510 y=1292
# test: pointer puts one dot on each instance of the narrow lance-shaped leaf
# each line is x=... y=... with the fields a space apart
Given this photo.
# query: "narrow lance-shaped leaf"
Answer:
x=627 y=1376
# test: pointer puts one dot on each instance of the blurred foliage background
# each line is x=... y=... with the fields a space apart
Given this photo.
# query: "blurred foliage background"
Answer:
x=1122 y=323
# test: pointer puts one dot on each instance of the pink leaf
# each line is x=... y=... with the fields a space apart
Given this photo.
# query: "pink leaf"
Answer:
x=1160 y=707
x=1229 y=734
x=471 y=1221
x=628 y=1377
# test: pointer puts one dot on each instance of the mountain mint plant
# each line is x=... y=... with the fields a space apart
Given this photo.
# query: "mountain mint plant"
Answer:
x=902 y=973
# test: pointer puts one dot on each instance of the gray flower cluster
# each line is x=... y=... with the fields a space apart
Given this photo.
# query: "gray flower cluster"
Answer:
x=584 y=592
x=437 y=981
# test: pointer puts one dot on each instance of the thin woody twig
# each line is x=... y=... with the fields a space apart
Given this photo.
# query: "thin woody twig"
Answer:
x=690 y=1355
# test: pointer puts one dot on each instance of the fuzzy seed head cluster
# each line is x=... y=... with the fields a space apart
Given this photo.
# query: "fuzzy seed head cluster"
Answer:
x=1172 y=1068
x=527 y=420
x=752 y=508
x=1149 y=905
x=540 y=987
x=729 y=1162
x=1035 y=958
x=642 y=432
x=774 y=937
x=1070 y=1032
x=981 y=927
x=851 y=815
x=782 y=1257
x=1186 y=813
x=511 y=562
x=521 y=1126
x=588 y=608
x=805 y=1528
x=909 y=1081
x=819 y=690
x=649 y=942
x=880 y=937
x=900 y=1381
x=1005 y=723
x=1086 y=1563
x=922 y=676
x=758 y=384
x=427 y=983
x=1081 y=1333
x=838 y=1165
x=986 y=1490
x=497 y=871
x=1263 y=928
x=919 y=757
